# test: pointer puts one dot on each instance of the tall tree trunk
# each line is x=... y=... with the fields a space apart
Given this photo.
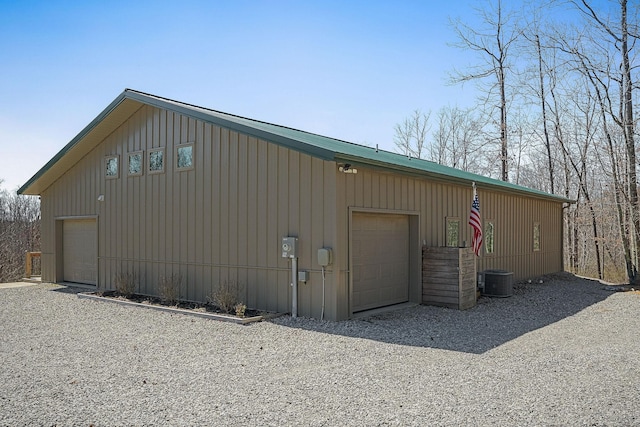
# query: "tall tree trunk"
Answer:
x=503 y=126
x=596 y=236
x=495 y=48
x=618 y=191
x=576 y=240
x=543 y=104
x=619 y=188
x=628 y=135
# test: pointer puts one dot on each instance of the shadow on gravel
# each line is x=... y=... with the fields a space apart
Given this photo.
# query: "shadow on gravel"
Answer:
x=72 y=288
x=491 y=323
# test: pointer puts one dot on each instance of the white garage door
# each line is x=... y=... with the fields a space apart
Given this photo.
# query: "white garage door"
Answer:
x=79 y=251
x=380 y=257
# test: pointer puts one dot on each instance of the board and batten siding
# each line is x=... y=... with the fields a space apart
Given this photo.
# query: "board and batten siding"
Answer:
x=513 y=215
x=221 y=221
x=514 y=218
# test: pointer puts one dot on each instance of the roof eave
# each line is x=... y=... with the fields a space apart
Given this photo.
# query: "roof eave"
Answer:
x=213 y=117
x=104 y=124
x=482 y=181
x=38 y=183
x=35 y=186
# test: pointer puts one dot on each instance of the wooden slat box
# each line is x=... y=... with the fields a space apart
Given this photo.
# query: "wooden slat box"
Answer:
x=449 y=277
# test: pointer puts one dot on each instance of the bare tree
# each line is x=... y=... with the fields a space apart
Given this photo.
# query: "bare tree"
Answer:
x=457 y=140
x=411 y=135
x=584 y=136
x=493 y=44
x=19 y=232
x=604 y=57
x=543 y=107
x=556 y=113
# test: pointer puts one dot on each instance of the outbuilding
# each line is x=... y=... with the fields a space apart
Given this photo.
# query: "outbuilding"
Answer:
x=158 y=187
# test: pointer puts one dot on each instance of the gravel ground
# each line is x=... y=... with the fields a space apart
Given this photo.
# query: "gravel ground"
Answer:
x=564 y=352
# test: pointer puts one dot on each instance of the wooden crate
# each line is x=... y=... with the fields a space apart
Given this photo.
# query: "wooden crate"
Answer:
x=449 y=277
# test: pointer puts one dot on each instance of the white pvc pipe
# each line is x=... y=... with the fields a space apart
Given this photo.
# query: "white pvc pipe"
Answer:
x=323 y=285
x=294 y=283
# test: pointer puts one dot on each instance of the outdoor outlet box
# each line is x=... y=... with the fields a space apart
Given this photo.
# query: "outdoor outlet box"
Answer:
x=324 y=256
x=289 y=247
x=303 y=276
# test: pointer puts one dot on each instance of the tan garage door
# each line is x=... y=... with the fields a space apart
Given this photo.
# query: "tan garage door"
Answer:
x=380 y=257
x=79 y=251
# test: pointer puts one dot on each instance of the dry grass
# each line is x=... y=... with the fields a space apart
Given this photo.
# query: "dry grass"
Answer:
x=226 y=297
x=170 y=288
x=240 y=309
x=126 y=283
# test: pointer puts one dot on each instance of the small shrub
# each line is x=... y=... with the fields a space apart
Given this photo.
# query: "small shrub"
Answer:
x=226 y=296
x=170 y=288
x=126 y=283
x=240 y=309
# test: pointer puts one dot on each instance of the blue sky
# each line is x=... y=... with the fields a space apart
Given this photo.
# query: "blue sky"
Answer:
x=345 y=69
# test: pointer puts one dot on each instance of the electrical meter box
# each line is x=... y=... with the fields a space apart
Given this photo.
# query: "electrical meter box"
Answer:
x=289 y=247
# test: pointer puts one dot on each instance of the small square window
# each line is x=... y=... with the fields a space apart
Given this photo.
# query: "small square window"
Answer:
x=135 y=163
x=184 y=156
x=156 y=160
x=453 y=232
x=111 y=167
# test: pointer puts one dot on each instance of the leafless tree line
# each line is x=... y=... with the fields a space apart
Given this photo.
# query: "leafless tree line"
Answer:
x=19 y=232
x=558 y=83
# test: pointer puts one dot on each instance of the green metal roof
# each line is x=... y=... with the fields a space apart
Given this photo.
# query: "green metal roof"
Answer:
x=315 y=145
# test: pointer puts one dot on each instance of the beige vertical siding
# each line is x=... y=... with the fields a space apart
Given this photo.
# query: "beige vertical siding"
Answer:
x=513 y=216
x=221 y=221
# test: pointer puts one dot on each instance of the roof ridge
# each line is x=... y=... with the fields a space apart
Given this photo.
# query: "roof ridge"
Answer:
x=316 y=145
x=392 y=157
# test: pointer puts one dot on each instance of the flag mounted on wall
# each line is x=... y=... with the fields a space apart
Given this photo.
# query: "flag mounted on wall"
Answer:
x=475 y=222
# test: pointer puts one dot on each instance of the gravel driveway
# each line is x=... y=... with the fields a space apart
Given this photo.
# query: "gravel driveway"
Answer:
x=564 y=352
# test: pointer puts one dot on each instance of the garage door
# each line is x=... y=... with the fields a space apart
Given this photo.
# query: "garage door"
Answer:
x=380 y=260
x=79 y=251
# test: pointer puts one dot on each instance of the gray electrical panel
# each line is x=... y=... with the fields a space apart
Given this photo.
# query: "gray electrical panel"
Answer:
x=303 y=276
x=324 y=256
x=289 y=247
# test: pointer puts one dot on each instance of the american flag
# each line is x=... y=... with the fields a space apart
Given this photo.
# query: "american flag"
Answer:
x=476 y=223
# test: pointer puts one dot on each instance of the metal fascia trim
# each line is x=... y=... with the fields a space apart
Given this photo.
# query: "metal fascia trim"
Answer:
x=443 y=177
x=181 y=108
x=113 y=105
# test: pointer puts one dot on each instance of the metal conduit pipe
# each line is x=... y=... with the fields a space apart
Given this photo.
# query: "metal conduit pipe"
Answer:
x=323 y=286
x=294 y=283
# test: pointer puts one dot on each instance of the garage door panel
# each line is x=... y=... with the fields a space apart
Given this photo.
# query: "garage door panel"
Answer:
x=369 y=297
x=390 y=294
x=386 y=271
x=380 y=260
x=79 y=251
x=369 y=273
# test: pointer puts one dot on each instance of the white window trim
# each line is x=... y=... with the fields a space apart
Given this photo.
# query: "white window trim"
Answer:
x=486 y=246
x=446 y=231
x=536 y=225
x=193 y=156
x=164 y=161
x=106 y=162
x=133 y=153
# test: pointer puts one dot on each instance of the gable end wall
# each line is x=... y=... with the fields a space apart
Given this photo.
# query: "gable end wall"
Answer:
x=220 y=222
